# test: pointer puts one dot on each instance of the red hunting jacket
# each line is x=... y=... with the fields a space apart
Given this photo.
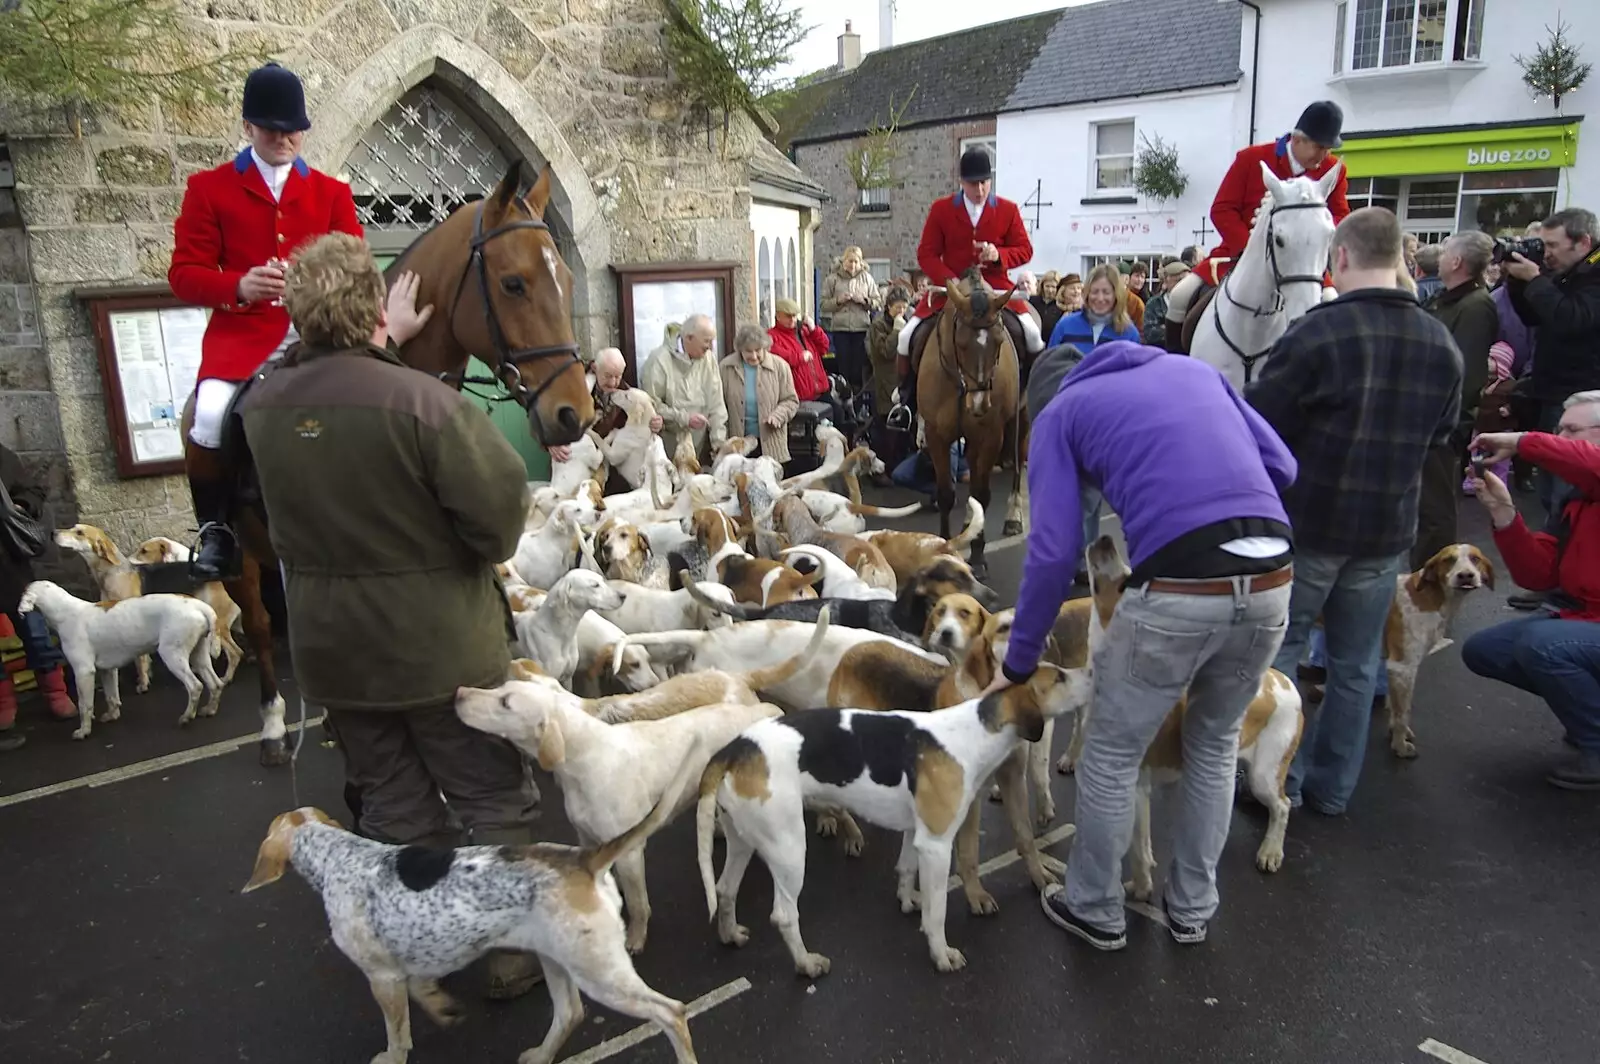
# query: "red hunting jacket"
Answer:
x=804 y=358
x=229 y=223
x=1240 y=194
x=1536 y=560
x=946 y=250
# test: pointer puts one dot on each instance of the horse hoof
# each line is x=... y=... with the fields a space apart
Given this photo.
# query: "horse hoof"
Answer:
x=274 y=752
x=1011 y=528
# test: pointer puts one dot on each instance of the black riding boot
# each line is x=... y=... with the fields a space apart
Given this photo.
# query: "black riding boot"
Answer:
x=1175 y=337
x=217 y=557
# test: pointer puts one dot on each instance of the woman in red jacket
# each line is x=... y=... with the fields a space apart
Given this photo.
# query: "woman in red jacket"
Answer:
x=1555 y=655
x=803 y=346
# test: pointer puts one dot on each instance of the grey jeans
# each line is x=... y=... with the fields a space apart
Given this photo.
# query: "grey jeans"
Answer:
x=1158 y=644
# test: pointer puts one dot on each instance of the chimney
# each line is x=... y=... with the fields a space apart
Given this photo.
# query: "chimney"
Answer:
x=885 y=24
x=849 y=48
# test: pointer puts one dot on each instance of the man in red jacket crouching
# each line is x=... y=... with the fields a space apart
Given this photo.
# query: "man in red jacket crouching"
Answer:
x=1554 y=654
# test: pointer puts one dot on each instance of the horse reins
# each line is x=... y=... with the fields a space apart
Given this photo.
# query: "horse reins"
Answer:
x=510 y=359
x=1278 y=281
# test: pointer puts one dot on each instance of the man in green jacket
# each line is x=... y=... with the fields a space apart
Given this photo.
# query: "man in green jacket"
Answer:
x=390 y=497
x=1465 y=307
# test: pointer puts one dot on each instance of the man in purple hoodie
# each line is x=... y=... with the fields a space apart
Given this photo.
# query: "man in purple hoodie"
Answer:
x=1195 y=475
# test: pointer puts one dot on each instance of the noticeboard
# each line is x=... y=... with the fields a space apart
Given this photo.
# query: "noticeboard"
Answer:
x=149 y=350
x=655 y=295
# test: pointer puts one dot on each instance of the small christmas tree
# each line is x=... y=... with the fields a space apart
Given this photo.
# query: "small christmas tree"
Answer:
x=1555 y=69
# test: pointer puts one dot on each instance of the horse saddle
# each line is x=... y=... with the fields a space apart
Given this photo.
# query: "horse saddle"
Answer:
x=1197 y=310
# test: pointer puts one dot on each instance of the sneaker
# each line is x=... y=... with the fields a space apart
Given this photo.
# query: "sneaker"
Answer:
x=1184 y=934
x=1054 y=903
x=1582 y=773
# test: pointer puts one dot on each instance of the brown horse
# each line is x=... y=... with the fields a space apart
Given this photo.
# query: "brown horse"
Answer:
x=499 y=290
x=973 y=391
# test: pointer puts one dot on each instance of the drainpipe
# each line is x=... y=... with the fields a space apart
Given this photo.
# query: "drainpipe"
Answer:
x=1255 y=66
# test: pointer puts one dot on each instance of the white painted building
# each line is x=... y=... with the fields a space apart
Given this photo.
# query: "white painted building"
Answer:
x=1070 y=131
x=1439 y=125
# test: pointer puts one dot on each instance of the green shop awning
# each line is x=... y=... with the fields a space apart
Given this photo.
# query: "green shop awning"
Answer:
x=1467 y=149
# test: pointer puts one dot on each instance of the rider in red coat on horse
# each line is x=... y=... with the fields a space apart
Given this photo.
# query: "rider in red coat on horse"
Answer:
x=1305 y=152
x=974 y=227
x=238 y=226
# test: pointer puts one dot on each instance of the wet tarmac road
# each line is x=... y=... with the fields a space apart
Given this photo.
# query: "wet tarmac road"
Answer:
x=1454 y=903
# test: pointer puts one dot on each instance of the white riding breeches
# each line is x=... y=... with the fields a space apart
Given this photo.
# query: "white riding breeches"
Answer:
x=211 y=401
x=1181 y=296
x=903 y=344
x=1030 y=334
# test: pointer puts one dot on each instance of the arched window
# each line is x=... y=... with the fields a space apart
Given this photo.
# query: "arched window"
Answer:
x=780 y=272
x=764 y=283
x=424 y=158
x=794 y=273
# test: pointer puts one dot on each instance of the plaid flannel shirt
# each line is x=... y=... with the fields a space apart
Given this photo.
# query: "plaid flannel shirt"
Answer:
x=1360 y=389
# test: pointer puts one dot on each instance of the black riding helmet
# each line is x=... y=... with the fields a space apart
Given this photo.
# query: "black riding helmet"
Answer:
x=275 y=99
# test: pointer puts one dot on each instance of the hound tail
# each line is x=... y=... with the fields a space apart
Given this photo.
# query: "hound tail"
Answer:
x=865 y=510
x=705 y=819
x=655 y=488
x=597 y=860
x=684 y=637
x=737 y=610
x=974 y=527
x=761 y=679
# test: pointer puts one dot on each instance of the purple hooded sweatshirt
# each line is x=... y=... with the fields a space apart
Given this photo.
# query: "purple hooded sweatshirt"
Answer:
x=1170 y=444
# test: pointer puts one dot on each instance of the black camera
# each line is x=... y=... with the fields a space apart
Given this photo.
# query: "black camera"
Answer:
x=1529 y=247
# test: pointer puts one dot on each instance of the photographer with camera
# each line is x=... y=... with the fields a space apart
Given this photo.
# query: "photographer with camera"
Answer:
x=1554 y=283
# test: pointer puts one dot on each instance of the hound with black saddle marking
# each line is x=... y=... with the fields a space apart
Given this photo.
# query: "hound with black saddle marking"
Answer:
x=911 y=772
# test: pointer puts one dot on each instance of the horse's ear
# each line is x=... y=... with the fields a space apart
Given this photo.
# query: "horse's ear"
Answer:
x=1330 y=181
x=953 y=291
x=506 y=192
x=1274 y=186
x=538 y=197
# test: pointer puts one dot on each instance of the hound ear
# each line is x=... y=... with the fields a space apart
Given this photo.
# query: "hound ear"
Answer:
x=538 y=197
x=1486 y=568
x=104 y=549
x=272 y=858
x=552 y=748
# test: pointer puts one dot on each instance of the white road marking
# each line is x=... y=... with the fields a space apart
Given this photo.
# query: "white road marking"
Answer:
x=1017 y=541
x=645 y=1031
x=144 y=768
x=1449 y=1055
x=1010 y=857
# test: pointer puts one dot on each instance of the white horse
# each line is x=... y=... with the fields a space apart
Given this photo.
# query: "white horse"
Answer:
x=1277 y=278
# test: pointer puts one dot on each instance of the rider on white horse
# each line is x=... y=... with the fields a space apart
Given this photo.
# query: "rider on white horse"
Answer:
x=972 y=228
x=1305 y=152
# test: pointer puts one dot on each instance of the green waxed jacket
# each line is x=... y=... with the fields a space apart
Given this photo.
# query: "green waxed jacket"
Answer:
x=390 y=498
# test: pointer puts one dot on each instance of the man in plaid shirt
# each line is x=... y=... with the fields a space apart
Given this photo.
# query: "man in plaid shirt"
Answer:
x=1360 y=389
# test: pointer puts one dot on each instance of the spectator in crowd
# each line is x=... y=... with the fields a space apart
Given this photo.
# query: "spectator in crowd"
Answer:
x=1134 y=278
x=1189 y=256
x=881 y=341
x=1467 y=310
x=1429 y=284
x=803 y=346
x=1555 y=655
x=1196 y=476
x=1561 y=299
x=1408 y=254
x=1069 y=294
x=391 y=498
x=1028 y=284
x=849 y=296
x=682 y=378
x=1359 y=388
x=1154 y=326
x=43 y=657
x=1494 y=409
x=760 y=392
x=1491 y=275
x=1104 y=316
x=1049 y=281
x=609 y=367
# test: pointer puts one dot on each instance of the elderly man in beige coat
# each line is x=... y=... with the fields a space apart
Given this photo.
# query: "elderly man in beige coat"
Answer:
x=682 y=379
x=753 y=370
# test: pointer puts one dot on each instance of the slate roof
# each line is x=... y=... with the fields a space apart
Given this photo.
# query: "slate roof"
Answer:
x=1121 y=48
x=771 y=166
x=1112 y=49
x=961 y=75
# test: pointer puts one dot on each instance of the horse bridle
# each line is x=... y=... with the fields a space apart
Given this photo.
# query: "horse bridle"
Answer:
x=1279 y=280
x=510 y=359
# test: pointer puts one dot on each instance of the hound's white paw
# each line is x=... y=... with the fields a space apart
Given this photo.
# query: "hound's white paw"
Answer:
x=949 y=959
x=81 y=733
x=1139 y=888
x=1269 y=858
x=994 y=793
x=827 y=825
x=736 y=936
x=813 y=965
x=1064 y=764
x=982 y=903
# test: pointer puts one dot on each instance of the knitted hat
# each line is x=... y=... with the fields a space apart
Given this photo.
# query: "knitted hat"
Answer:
x=1501 y=356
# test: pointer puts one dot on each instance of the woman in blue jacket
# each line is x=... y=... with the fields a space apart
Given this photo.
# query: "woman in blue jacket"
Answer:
x=1104 y=316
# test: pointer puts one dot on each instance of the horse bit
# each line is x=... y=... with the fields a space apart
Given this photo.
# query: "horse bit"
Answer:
x=511 y=359
x=1278 y=281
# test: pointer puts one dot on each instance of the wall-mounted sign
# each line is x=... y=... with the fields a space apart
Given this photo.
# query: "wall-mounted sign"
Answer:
x=1094 y=233
x=1456 y=151
x=654 y=295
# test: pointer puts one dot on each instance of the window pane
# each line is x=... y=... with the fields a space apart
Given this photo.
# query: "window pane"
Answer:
x=1397 y=22
x=1114 y=172
x=1340 y=13
x=1432 y=199
x=1430 y=31
x=874 y=200
x=794 y=275
x=1469 y=29
x=1386 y=186
x=1114 y=138
x=1369 y=30
x=1505 y=213
x=1512 y=179
x=764 y=282
x=879 y=268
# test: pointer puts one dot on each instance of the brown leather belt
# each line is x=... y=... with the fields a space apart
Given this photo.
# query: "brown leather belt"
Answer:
x=1264 y=582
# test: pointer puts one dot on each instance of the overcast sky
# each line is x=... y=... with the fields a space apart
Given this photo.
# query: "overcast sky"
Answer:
x=914 y=20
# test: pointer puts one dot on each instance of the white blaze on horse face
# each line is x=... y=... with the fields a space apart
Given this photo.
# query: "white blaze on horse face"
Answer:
x=552 y=264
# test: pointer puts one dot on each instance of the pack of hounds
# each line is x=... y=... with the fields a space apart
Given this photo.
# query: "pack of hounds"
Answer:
x=736 y=642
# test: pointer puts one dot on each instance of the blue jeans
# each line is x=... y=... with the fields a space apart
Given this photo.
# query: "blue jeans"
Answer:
x=1319 y=658
x=1555 y=659
x=41 y=651
x=1352 y=595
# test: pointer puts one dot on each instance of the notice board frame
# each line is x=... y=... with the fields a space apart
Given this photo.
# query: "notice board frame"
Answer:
x=646 y=273
x=102 y=303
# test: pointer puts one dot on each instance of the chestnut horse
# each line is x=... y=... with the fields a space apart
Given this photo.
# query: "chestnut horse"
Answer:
x=499 y=290
x=972 y=391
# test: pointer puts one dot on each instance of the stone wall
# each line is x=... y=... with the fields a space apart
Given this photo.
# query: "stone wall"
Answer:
x=927 y=168
x=582 y=86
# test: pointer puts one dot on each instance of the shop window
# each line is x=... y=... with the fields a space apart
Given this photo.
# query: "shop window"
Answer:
x=1113 y=156
x=1374 y=192
x=1432 y=200
x=1507 y=202
x=1401 y=33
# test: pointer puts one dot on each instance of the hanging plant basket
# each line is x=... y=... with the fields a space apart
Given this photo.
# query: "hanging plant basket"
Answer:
x=1156 y=172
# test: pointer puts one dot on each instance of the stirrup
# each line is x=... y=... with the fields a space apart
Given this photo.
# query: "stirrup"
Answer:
x=231 y=569
x=899 y=418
